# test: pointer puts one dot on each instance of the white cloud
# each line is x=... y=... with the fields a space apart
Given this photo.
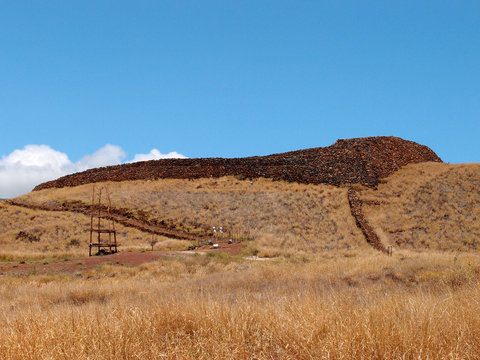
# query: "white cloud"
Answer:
x=38 y=156
x=24 y=168
x=107 y=155
x=154 y=154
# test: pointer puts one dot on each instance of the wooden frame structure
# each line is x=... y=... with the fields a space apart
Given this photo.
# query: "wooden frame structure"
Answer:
x=99 y=212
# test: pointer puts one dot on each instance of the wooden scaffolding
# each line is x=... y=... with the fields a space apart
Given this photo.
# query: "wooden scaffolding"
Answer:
x=102 y=237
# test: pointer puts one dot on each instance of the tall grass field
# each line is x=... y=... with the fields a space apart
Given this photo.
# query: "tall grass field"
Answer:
x=306 y=284
x=354 y=306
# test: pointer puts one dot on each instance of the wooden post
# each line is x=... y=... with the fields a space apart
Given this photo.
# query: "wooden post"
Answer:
x=111 y=243
x=91 y=220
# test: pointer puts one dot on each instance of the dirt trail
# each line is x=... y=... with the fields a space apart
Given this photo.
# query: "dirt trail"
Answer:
x=356 y=210
x=80 y=265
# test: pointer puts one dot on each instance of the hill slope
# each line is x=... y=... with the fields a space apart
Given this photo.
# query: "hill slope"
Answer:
x=281 y=218
x=429 y=206
x=422 y=206
x=31 y=232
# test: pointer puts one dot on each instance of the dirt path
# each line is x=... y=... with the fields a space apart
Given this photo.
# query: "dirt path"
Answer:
x=356 y=210
x=81 y=265
x=128 y=258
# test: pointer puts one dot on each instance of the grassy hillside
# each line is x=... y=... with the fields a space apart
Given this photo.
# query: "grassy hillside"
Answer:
x=282 y=218
x=33 y=233
x=429 y=206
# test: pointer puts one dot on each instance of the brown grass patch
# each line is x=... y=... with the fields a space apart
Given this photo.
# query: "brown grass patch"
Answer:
x=410 y=306
x=429 y=206
x=282 y=218
x=27 y=233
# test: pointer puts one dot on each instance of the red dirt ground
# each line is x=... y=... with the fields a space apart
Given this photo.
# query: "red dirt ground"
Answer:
x=81 y=265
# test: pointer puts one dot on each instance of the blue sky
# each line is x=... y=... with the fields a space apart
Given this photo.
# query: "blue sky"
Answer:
x=231 y=78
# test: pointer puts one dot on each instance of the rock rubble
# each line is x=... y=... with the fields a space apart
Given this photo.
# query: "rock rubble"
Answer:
x=348 y=161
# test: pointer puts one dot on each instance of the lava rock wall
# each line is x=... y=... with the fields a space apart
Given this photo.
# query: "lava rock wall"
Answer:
x=351 y=161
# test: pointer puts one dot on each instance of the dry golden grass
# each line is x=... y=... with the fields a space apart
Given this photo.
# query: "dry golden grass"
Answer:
x=360 y=306
x=59 y=234
x=283 y=218
x=348 y=303
x=428 y=205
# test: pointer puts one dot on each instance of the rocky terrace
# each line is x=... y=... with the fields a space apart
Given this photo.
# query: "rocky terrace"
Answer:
x=351 y=161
